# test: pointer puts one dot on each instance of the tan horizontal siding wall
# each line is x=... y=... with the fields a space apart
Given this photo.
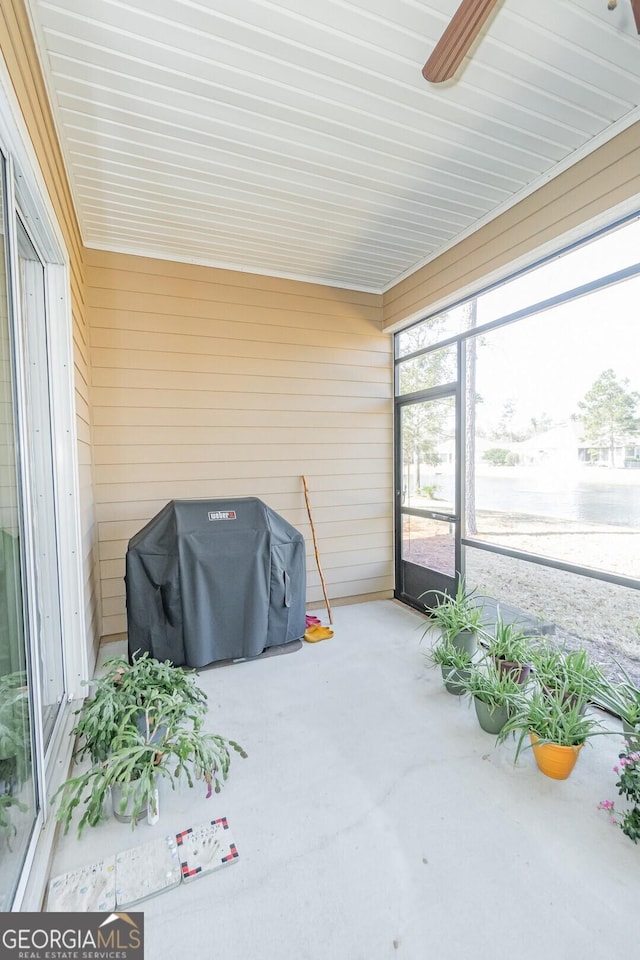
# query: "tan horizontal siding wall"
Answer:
x=211 y=383
x=19 y=53
x=609 y=176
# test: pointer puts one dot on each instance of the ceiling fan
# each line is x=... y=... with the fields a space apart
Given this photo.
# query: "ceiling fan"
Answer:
x=449 y=51
x=462 y=31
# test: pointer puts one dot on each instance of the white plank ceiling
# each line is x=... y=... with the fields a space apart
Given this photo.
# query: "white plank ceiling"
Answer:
x=298 y=138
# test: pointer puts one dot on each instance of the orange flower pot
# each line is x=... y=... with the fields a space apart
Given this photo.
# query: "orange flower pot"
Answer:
x=553 y=760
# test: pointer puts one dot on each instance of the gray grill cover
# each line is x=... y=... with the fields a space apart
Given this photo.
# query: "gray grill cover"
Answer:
x=211 y=580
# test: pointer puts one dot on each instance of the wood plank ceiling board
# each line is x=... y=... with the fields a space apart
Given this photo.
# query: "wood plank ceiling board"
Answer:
x=296 y=138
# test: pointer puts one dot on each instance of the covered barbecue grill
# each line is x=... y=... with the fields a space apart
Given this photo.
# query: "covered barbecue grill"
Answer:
x=210 y=580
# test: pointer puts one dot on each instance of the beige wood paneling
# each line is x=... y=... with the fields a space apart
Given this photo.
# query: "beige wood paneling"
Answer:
x=174 y=399
x=19 y=53
x=168 y=361
x=249 y=384
x=608 y=176
x=208 y=384
x=328 y=474
x=278 y=332
x=294 y=309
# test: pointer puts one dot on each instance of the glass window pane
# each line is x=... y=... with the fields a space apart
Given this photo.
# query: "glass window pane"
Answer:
x=435 y=329
x=39 y=440
x=557 y=440
x=428 y=440
x=429 y=543
x=17 y=794
x=429 y=370
x=604 y=255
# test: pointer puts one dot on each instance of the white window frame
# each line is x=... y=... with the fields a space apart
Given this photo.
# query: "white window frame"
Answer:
x=27 y=194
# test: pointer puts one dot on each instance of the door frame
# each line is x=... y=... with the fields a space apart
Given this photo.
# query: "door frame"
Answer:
x=422 y=580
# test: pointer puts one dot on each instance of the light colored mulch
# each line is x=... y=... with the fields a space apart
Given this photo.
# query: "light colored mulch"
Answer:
x=601 y=616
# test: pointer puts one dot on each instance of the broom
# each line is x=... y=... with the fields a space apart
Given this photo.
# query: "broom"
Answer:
x=318 y=632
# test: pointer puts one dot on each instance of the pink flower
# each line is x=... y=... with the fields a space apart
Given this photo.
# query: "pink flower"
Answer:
x=615 y=769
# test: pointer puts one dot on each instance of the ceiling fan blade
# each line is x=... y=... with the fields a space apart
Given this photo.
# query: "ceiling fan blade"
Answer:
x=464 y=27
x=635 y=6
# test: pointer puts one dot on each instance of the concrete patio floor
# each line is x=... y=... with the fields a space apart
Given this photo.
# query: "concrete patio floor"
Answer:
x=374 y=819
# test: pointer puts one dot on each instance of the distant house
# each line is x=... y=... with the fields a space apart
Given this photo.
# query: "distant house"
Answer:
x=563 y=446
x=557 y=447
x=626 y=454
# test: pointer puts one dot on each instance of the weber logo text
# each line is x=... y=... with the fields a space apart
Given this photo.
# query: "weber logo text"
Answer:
x=222 y=515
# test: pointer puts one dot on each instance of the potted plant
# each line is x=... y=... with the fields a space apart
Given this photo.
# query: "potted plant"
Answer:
x=145 y=721
x=623 y=699
x=510 y=648
x=556 y=728
x=122 y=694
x=458 y=617
x=628 y=784
x=572 y=670
x=494 y=695
x=455 y=665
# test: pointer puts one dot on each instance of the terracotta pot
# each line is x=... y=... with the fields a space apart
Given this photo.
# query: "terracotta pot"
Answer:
x=554 y=760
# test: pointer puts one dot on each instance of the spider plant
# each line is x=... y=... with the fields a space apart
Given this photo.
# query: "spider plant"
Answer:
x=491 y=686
x=621 y=698
x=455 y=615
x=572 y=670
x=454 y=663
x=508 y=642
x=552 y=718
x=445 y=655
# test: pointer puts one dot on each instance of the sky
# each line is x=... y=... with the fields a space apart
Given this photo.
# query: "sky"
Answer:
x=547 y=363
